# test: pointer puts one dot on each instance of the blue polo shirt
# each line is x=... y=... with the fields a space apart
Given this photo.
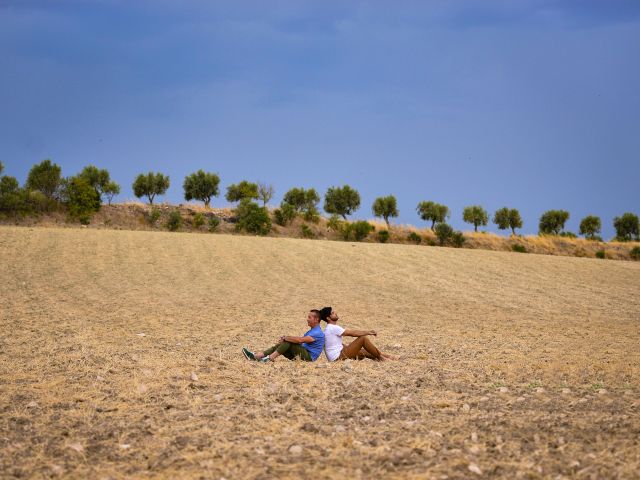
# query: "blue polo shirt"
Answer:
x=315 y=348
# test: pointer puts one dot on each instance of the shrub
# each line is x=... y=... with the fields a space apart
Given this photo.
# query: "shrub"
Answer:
x=306 y=231
x=201 y=186
x=415 y=238
x=149 y=185
x=627 y=227
x=334 y=223
x=242 y=191
x=385 y=207
x=312 y=215
x=383 y=236
x=507 y=218
x=285 y=214
x=45 y=177
x=568 y=235
x=475 y=215
x=154 y=216
x=552 y=221
x=443 y=232
x=341 y=201
x=432 y=211
x=600 y=254
x=84 y=219
x=198 y=220
x=174 y=222
x=457 y=239
x=516 y=247
x=252 y=218
x=635 y=253
x=356 y=231
x=214 y=223
x=82 y=199
x=590 y=226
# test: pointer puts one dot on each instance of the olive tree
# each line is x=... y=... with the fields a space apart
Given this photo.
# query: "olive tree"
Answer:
x=506 y=218
x=110 y=190
x=98 y=178
x=476 y=215
x=590 y=227
x=552 y=221
x=243 y=190
x=341 y=201
x=150 y=185
x=45 y=177
x=201 y=186
x=432 y=211
x=627 y=227
x=385 y=207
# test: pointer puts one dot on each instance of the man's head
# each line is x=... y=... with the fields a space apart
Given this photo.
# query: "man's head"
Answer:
x=329 y=314
x=313 y=318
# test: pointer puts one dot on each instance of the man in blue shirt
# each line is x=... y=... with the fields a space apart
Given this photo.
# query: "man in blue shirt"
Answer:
x=307 y=348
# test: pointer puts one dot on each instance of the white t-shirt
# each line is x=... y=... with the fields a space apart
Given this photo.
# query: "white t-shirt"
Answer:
x=333 y=341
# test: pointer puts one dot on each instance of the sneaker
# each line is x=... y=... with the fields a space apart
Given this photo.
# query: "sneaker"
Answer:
x=265 y=359
x=248 y=354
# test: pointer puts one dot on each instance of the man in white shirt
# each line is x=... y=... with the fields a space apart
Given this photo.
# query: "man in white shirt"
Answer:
x=362 y=347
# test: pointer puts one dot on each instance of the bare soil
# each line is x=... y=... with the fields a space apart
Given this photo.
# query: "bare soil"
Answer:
x=120 y=358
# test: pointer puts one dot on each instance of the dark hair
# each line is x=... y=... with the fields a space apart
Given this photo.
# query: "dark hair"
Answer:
x=316 y=313
x=325 y=312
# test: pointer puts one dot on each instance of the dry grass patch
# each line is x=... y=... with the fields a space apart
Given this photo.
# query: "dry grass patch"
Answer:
x=120 y=357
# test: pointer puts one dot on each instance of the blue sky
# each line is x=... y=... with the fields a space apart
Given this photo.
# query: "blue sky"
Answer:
x=527 y=104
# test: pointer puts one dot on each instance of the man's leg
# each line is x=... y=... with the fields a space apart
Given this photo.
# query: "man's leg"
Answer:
x=298 y=351
x=352 y=350
x=266 y=353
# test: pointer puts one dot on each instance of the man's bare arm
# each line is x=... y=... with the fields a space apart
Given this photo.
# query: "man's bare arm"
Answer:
x=358 y=333
x=292 y=339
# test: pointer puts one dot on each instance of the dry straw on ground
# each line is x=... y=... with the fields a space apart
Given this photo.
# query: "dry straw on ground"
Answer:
x=120 y=358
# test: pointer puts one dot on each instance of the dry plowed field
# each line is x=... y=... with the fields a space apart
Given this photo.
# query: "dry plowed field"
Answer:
x=120 y=358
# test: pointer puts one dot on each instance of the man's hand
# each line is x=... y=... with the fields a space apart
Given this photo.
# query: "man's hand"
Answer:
x=281 y=339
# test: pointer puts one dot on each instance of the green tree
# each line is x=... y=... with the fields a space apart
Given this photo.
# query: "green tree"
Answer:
x=45 y=177
x=110 y=190
x=1 y=168
x=265 y=193
x=552 y=221
x=151 y=184
x=82 y=198
x=8 y=185
x=201 y=186
x=98 y=178
x=252 y=218
x=341 y=201
x=508 y=218
x=385 y=207
x=627 y=227
x=590 y=227
x=241 y=191
x=432 y=211
x=476 y=215
x=302 y=200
